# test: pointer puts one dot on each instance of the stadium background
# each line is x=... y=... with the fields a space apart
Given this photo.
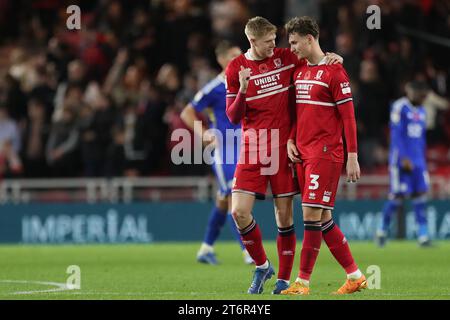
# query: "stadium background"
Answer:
x=86 y=116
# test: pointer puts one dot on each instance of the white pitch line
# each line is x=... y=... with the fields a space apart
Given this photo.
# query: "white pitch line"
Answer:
x=211 y=294
x=63 y=287
x=99 y=293
x=78 y=292
x=143 y=293
x=59 y=286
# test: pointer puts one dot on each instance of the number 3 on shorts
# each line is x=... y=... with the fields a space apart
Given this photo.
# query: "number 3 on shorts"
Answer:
x=314 y=184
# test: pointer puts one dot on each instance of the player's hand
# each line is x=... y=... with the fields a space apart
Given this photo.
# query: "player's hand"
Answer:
x=333 y=58
x=407 y=165
x=244 y=78
x=292 y=151
x=353 y=170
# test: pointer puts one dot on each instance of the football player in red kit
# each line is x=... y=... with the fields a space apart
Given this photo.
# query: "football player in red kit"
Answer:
x=324 y=110
x=258 y=85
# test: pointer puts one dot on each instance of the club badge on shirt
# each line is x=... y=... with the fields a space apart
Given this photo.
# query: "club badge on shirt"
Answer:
x=277 y=62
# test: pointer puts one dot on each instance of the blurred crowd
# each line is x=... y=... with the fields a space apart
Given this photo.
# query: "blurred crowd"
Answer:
x=103 y=100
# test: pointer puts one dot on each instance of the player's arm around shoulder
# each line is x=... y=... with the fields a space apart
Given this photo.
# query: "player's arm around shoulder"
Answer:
x=332 y=58
x=338 y=71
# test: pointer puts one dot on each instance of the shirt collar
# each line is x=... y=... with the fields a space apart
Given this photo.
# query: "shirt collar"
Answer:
x=321 y=62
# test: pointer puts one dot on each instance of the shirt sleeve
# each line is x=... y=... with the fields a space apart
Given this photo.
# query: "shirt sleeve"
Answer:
x=342 y=95
x=232 y=81
x=398 y=130
x=202 y=100
x=235 y=103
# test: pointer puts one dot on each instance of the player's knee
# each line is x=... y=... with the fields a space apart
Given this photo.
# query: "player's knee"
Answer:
x=326 y=216
x=283 y=212
x=239 y=214
x=312 y=213
x=284 y=218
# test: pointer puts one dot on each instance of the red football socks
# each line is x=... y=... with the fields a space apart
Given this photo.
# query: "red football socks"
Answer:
x=252 y=240
x=337 y=243
x=286 y=241
x=312 y=239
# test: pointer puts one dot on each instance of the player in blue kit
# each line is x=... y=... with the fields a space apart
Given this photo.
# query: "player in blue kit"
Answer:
x=212 y=97
x=407 y=164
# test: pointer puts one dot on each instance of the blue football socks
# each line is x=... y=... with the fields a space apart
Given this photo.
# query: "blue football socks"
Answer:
x=216 y=221
x=389 y=208
x=419 y=205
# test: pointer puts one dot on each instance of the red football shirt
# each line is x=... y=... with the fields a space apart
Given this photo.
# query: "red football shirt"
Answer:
x=323 y=103
x=267 y=97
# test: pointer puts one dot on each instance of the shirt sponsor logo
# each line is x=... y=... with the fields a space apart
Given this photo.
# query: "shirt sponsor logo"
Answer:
x=304 y=86
x=403 y=187
x=326 y=196
x=266 y=80
x=312 y=196
x=345 y=88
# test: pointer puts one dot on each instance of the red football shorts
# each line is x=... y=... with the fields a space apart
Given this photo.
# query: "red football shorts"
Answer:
x=253 y=178
x=318 y=180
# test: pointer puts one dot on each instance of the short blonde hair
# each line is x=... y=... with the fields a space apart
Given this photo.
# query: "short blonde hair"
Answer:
x=258 y=27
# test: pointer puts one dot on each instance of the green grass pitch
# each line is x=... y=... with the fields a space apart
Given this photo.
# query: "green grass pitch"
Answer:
x=169 y=271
